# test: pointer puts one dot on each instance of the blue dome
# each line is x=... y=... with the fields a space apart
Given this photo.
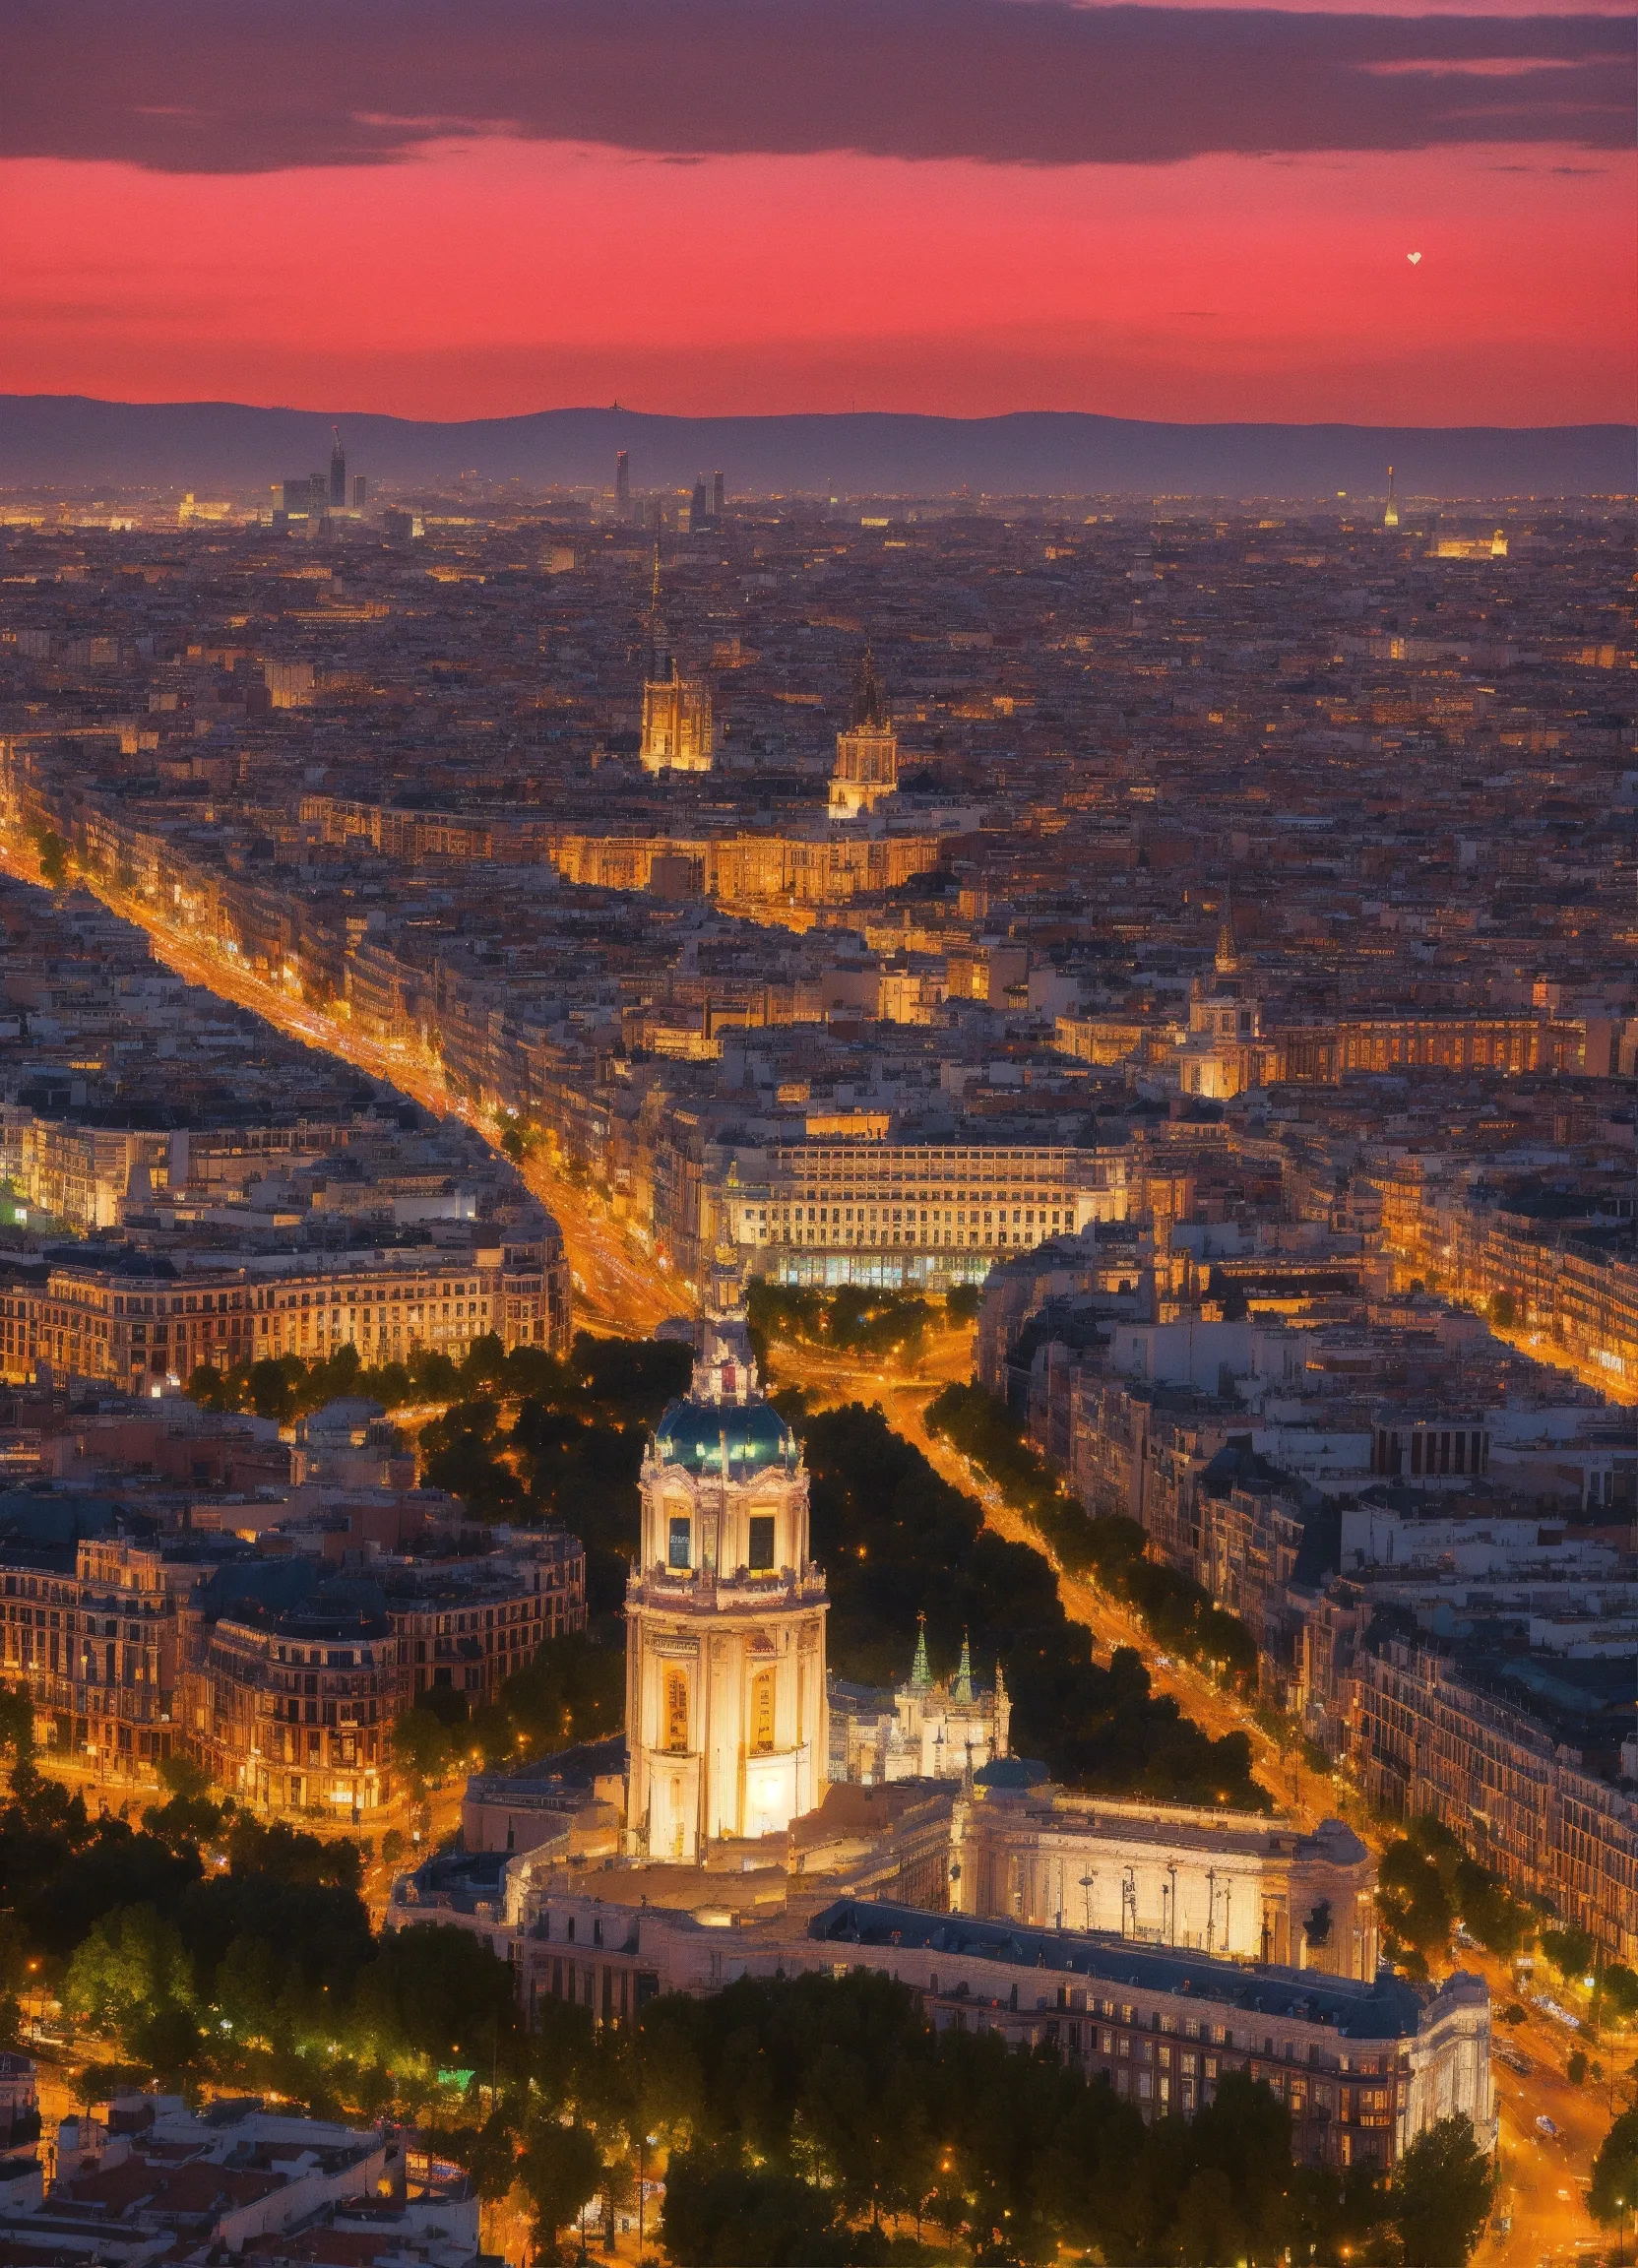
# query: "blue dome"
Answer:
x=737 y=1438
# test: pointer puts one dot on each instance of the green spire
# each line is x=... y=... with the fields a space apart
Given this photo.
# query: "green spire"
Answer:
x=964 y=1676
x=921 y=1677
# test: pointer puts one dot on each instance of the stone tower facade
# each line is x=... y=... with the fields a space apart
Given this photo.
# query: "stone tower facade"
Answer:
x=726 y=1710
x=678 y=732
x=867 y=754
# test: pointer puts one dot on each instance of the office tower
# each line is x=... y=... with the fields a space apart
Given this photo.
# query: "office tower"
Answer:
x=298 y=495
x=318 y=494
x=622 y=485
x=867 y=753
x=360 y=491
x=338 y=473
x=719 y=498
x=698 y=516
x=725 y=1708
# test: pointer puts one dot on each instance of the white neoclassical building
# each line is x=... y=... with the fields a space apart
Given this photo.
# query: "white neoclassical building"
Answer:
x=726 y=1708
x=1234 y=1885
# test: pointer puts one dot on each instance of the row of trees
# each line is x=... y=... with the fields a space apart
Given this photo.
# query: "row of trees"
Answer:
x=896 y=1540
x=818 y=2119
x=851 y=1320
x=1179 y=1613
x=618 y=1379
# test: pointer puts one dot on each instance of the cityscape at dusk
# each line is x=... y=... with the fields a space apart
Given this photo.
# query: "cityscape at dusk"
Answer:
x=818 y=1136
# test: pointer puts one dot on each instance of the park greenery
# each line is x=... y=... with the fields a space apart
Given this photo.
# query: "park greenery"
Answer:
x=816 y=2118
x=1178 y=1612
x=896 y=1540
x=868 y=1325
x=804 y=2120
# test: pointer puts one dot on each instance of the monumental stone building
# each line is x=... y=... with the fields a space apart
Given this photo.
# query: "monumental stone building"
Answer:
x=677 y=728
x=867 y=754
x=726 y=1710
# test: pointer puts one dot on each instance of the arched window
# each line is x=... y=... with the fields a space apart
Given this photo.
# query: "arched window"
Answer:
x=676 y=1709
x=762 y=1712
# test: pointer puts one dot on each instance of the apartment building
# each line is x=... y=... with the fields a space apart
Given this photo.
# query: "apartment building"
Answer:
x=102 y=1650
x=295 y=1715
x=130 y=1322
x=1423 y=1736
x=292 y=1709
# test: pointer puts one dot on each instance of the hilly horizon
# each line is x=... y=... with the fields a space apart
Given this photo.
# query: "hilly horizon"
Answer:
x=69 y=441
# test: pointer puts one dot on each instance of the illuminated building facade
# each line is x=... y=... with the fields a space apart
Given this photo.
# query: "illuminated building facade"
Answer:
x=1234 y=1885
x=866 y=753
x=133 y=1327
x=891 y=1213
x=726 y=1708
x=928 y=1729
x=677 y=729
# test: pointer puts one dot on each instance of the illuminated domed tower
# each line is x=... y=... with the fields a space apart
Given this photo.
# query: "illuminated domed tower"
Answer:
x=726 y=1613
x=868 y=754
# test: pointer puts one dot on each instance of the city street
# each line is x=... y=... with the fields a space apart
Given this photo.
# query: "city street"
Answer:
x=618 y=1287
x=1543 y=2177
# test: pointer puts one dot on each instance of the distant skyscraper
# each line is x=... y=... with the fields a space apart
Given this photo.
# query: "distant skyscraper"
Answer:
x=338 y=473
x=719 y=496
x=868 y=752
x=298 y=494
x=360 y=491
x=318 y=493
x=676 y=710
x=1390 y=518
x=698 y=513
x=622 y=485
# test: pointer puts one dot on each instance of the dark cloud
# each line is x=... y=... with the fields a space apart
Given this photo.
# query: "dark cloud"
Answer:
x=250 y=85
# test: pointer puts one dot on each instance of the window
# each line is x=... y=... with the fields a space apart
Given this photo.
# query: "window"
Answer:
x=678 y=1554
x=762 y=1712
x=676 y=1710
x=762 y=1540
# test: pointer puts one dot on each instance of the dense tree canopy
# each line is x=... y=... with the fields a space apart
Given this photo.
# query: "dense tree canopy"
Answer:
x=1613 y=2197
x=896 y=1540
x=1425 y=1882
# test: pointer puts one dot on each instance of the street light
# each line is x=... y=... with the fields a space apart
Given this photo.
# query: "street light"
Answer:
x=644 y=2141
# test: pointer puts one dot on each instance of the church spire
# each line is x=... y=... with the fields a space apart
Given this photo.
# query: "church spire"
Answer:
x=870 y=708
x=964 y=1674
x=921 y=1677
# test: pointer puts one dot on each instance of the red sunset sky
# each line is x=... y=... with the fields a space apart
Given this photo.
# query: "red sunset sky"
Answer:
x=966 y=206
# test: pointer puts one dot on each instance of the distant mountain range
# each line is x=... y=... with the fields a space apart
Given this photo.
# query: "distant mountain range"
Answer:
x=69 y=442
